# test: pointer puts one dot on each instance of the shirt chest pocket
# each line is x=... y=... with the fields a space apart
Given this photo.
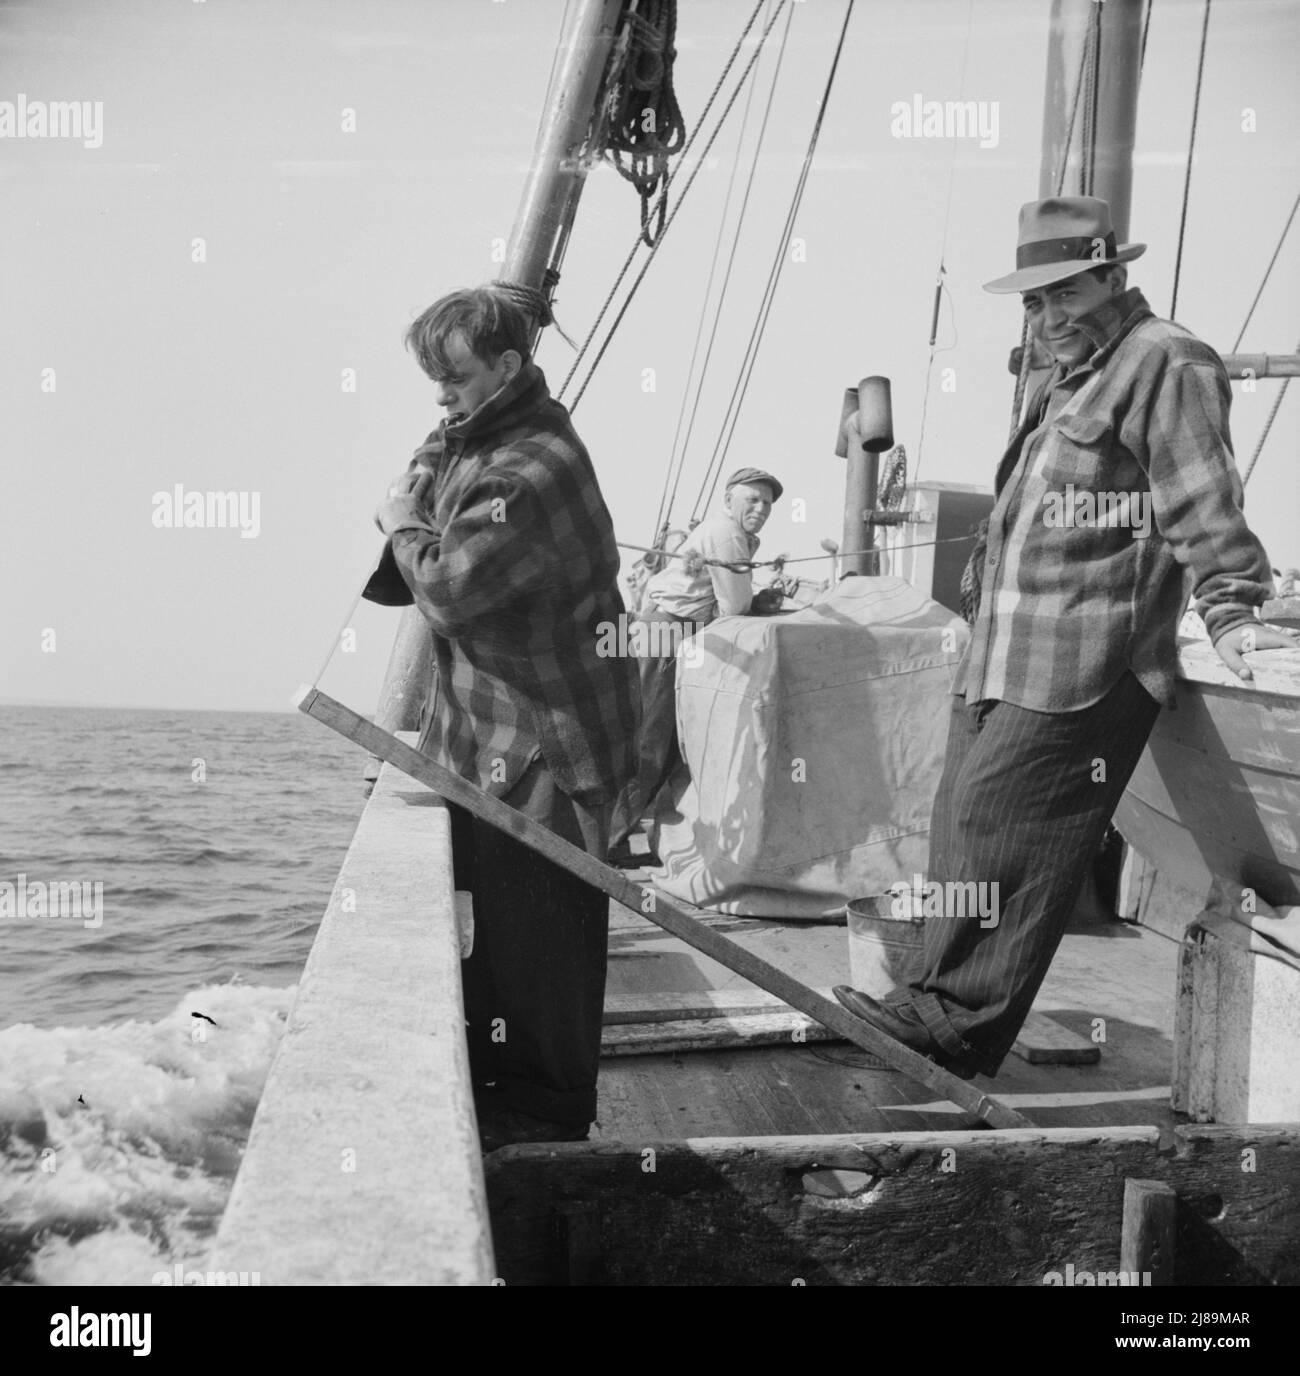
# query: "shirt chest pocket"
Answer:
x=1085 y=451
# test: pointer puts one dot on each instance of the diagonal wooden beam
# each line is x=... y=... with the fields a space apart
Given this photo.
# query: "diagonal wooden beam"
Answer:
x=655 y=905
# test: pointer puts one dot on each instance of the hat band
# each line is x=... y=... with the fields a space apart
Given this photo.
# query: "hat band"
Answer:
x=1078 y=248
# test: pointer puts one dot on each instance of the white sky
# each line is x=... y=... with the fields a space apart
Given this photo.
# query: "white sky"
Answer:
x=222 y=122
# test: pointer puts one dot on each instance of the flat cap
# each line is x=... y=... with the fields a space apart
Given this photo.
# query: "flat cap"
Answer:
x=755 y=475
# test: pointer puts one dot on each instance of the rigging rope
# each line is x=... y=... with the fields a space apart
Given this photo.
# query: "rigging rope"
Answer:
x=636 y=243
x=676 y=461
x=645 y=126
x=1088 y=138
x=555 y=56
x=690 y=181
x=726 y=281
x=338 y=637
x=1285 y=229
x=732 y=413
x=939 y=286
x=748 y=565
x=1191 y=148
x=1268 y=425
x=1022 y=377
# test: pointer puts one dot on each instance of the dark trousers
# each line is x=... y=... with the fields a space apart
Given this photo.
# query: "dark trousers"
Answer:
x=658 y=753
x=534 y=983
x=1023 y=803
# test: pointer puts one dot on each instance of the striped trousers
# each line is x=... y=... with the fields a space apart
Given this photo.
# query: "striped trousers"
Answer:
x=1023 y=803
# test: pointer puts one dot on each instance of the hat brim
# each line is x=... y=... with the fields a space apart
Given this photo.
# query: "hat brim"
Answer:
x=1044 y=274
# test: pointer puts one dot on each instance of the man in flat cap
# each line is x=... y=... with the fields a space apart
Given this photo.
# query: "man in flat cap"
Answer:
x=1117 y=494
x=692 y=590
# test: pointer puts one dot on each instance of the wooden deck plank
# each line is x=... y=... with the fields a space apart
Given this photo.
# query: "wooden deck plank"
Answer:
x=653 y=967
x=804 y=1080
x=1112 y=981
x=671 y=1006
x=775 y=1027
x=771 y=1098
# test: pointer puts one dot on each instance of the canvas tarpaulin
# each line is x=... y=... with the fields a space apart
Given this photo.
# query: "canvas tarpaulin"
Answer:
x=813 y=744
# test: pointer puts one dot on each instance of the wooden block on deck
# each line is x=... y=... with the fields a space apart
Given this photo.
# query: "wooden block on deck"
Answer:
x=716 y=1033
x=693 y=1005
x=715 y=1019
x=1045 y=1042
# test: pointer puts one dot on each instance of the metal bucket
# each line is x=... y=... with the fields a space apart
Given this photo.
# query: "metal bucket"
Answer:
x=884 y=949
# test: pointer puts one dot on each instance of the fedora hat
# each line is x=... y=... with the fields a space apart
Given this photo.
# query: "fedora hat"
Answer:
x=1061 y=238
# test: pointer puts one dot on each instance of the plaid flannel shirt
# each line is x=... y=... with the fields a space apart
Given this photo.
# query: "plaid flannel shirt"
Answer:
x=1073 y=593
x=512 y=560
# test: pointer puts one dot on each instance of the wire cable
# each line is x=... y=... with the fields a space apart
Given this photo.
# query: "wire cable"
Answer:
x=1268 y=425
x=774 y=276
x=731 y=260
x=939 y=285
x=1241 y=333
x=1191 y=148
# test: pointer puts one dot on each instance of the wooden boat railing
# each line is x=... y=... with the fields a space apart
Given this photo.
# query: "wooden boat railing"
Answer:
x=363 y=1164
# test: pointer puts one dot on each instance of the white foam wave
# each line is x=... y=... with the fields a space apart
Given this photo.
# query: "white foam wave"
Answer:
x=133 y=1179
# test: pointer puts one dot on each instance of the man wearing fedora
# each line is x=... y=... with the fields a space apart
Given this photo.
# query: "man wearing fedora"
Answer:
x=691 y=590
x=1116 y=496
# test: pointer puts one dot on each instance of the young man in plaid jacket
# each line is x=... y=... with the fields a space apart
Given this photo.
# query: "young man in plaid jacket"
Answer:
x=500 y=532
x=1118 y=489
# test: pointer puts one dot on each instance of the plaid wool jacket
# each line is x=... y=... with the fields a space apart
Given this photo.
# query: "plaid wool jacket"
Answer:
x=513 y=563
x=1117 y=495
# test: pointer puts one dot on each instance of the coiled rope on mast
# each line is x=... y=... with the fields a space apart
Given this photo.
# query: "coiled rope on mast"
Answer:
x=690 y=181
x=627 y=262
x=644 y=125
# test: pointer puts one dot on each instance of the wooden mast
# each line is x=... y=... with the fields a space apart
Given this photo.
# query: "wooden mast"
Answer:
x=546 y=211
x=1118 y=74
x=1095 y=92
x=1112 y=115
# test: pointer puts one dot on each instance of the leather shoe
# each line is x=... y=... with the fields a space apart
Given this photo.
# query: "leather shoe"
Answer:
x=903 y=1024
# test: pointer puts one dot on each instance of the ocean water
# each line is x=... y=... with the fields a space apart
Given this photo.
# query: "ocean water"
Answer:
x=212 y=841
